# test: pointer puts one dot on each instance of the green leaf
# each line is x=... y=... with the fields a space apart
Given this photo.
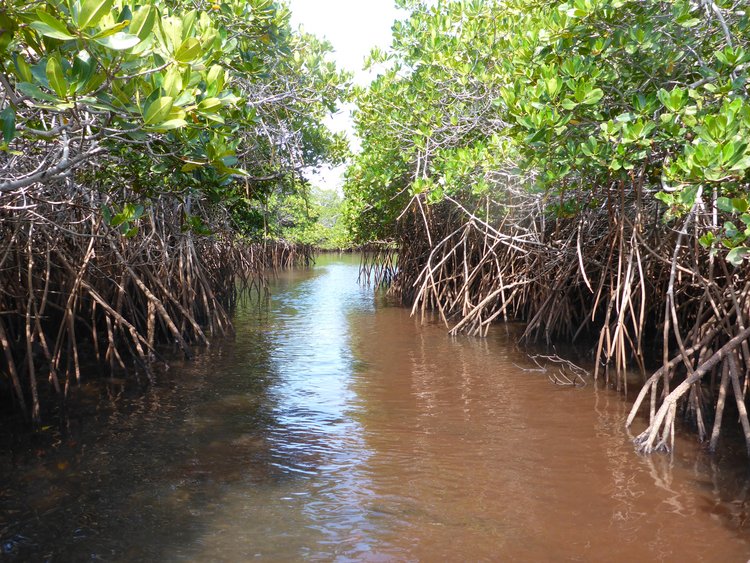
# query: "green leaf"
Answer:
x=143 y=22
x=119 y=219
x=129 y=214
x=690 y=22
x=125 y=15
x=707 y=240
x=92 y=11
x=176 y=113
x=593 y=96
x=8 y=121
x=185 y=98
x=742 y=164
x=188 y=23
x=737 y=255
x=568 y=104
x=111 y=30
x=188 y=51
x=216 y=73
x=213 y=117
x=23 y=70
x=93 y=83
x=724 y=204
x=730 y=229
x=83 y=70
x=8 y=28
x=215 y=80
x=172 y=83
x=106 y=215
x=119 y=41
x=56 y=77
x=137 y=212
x=190 y=166
x=50 y=26
x=35 y=92
x=209 y=104
x=553 y=86
x=158 y=111
x=687 y=195
x=169 y=125
x=740 y=204
x=727 y=152
x=663 y=96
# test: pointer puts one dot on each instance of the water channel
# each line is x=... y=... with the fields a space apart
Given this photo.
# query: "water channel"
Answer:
x=333 y=427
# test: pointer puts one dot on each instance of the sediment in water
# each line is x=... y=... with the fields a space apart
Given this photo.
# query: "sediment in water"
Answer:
x=645 y=291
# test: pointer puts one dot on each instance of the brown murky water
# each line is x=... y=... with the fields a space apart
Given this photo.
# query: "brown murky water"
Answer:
x=335 y=428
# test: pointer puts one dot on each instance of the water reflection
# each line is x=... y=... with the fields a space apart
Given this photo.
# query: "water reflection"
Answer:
x=335 y=429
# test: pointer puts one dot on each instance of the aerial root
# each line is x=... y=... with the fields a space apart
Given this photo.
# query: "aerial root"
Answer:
x=73 y=289
x=614 y=273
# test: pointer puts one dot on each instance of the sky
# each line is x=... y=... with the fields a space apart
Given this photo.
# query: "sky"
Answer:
x=353 y=27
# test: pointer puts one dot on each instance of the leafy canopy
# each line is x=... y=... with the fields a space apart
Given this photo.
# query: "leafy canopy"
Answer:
x=570 y=95
x=221 y=101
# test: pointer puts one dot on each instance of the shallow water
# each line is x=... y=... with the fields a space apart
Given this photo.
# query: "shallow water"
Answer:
x=334 y=427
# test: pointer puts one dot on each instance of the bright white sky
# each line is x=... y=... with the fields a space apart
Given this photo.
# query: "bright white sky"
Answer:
x=353 y=27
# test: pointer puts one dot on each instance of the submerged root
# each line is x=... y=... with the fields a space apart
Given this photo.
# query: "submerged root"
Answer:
x=378 y=264
x=75 y=290
x=281 y=254
x=567 y=373
x=660 y=432
x=615 y=273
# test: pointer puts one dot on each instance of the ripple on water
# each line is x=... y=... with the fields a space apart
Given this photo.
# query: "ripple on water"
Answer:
x=329 y=430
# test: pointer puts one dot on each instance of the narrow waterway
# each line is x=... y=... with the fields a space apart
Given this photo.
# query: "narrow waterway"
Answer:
x=334 y=427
